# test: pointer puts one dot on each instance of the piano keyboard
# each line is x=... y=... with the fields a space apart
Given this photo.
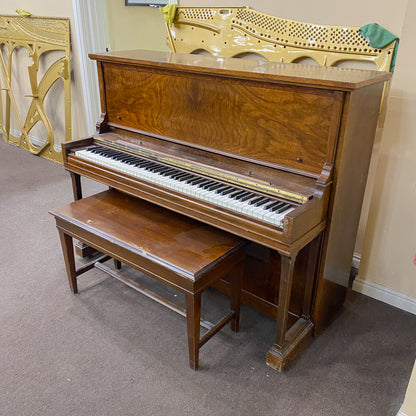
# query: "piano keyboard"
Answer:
x=226 y=196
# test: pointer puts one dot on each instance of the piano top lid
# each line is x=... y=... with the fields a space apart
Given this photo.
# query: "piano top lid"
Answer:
x=343 y=79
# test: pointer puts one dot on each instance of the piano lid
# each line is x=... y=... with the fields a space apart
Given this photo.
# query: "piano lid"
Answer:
x=344 y=79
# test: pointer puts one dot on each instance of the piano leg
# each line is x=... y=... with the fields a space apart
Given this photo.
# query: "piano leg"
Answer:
x=286 y=278
x=235 y=295
x=76 y=186
x=289 y=342
x=313 y=256
x=82 y=249
x=193 y=319
x=68 y=251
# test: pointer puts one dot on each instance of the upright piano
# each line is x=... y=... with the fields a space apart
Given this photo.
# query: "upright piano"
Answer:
x=275 y=153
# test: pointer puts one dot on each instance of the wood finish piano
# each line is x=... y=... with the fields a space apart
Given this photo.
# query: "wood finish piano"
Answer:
x=275 y=153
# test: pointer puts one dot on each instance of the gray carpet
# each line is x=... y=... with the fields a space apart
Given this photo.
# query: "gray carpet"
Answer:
x=109 y=351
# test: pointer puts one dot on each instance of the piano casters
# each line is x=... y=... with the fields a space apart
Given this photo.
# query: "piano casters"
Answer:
x=290 y=341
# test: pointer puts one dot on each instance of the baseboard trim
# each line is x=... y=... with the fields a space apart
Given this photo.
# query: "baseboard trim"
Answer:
x=356 y=259
x=385 y=295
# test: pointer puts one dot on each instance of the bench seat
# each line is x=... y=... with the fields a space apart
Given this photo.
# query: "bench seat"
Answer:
x=178 y=251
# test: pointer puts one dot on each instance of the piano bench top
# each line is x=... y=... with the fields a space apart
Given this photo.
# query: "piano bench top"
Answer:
x=149 y=234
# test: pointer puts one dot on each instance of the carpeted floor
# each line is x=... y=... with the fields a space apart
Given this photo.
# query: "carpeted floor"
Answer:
x=110 y=351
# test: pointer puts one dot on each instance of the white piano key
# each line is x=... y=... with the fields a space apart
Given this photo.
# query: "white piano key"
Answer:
x=193 y=190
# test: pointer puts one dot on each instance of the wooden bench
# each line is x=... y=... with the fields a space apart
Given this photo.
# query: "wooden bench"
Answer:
x=178 y=251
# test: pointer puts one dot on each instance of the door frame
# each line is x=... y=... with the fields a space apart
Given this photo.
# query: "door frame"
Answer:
x=91 y=31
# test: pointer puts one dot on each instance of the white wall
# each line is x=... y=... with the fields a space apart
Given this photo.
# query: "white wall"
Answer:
x=135 y=27
x=390 y=241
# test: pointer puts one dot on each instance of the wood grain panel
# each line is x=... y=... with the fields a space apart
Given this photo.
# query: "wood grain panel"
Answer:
x=278 y=125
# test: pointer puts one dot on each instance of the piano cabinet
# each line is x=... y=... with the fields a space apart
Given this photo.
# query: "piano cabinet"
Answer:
x=278 y=283
x=287 y=134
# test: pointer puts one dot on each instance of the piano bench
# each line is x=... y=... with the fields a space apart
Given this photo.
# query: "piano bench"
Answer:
x=176 y=250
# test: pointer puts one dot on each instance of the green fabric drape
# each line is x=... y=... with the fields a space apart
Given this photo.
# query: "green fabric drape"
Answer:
x=378 y=37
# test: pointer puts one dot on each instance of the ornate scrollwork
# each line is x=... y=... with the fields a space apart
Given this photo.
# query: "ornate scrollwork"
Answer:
x=39 y=36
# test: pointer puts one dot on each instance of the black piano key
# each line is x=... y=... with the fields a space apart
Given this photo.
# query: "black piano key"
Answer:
x=206 y=185
x=216 y=186
x=234 y=195
x=243 y=195
x=195 y=180
x=284 y=208
x=137 y=163
x=278 y=206
x=271 y=204
x=164 y=169
x=223 y=189
x=157 y=166
x=95 y=149
x=102 y=153
x=261 y=202
x=179 y=175
x=140 y=160
x=108 y=152
x=146 y=164
x=249 y=196
x=121 y=157
x=130 y=162
x=152 y=167
x=157 y=169
x=170 y=172
x=200 y=182
x=210 y=186
x=112 y=152
x=128 y=159
x=228 y=191
x=135 y=160
x=253 y=201
x=186 y=177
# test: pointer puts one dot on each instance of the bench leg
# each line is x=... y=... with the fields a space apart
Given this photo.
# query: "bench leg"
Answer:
x=193 y=317
x=235 y=295
x=68 y=251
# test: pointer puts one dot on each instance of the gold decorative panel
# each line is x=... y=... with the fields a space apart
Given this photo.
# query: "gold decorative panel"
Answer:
x=233 y=31
x=33 y=41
